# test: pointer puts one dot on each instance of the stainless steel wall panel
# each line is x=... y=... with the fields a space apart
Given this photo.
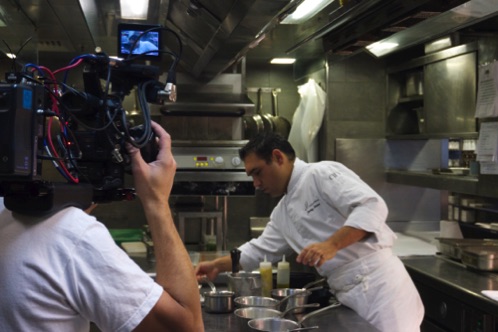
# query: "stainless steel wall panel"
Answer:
x=449 y=101
x=367 y=157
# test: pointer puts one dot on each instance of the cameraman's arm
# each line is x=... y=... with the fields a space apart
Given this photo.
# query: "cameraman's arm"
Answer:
x=179 y=307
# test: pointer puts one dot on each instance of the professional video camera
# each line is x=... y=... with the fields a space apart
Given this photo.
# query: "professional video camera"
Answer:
x=82 y=133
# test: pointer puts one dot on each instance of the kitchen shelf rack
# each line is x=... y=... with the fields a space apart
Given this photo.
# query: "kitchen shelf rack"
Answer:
x=457 y=183
x=455 y=135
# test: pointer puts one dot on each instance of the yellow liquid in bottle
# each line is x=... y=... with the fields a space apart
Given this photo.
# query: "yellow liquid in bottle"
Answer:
x=265 y=270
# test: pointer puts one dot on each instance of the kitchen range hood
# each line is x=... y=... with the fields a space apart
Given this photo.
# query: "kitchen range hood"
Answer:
x=215 y=34
x=347 y=30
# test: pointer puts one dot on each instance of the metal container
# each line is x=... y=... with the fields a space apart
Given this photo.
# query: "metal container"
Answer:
x=296 y=297
x=483 y=258
x=245 y=283
x=452 y=247
x=218 y=302
x=300 y=296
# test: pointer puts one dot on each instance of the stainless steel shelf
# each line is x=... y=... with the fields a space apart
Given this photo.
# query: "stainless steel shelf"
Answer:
x=456 y=183
x=462 y=135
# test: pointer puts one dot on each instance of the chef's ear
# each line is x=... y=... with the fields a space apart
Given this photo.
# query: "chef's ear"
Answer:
x=279 y=156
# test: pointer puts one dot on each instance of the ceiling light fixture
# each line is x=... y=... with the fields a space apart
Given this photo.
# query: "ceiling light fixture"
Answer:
x=306 y=10
x=282 y=61
x=381 y=46
x=134 y=9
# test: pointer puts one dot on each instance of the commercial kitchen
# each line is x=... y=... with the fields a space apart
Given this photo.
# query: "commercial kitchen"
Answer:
x=405 y=96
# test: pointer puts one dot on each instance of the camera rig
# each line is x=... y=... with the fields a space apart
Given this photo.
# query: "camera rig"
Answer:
x=83 y=134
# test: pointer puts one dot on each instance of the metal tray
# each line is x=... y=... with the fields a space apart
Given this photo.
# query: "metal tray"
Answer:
x=483 y=258
x=452 y=247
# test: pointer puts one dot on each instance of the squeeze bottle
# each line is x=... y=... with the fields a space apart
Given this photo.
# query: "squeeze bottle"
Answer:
x=265 y=269
x=283 y=274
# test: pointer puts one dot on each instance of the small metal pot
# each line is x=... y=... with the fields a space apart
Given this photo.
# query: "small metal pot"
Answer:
x=263 y=301
x=296 y=296
x=245 y=283
x=218 y=302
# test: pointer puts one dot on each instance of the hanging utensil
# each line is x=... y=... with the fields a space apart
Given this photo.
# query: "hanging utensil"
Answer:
x=281 y=125
x=254 y=124
x=267 y=118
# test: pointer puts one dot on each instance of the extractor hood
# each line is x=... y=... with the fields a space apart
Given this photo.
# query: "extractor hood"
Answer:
x=349 y=29
x=214 y=34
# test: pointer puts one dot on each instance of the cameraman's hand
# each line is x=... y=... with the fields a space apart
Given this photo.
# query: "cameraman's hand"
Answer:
x=153 y=181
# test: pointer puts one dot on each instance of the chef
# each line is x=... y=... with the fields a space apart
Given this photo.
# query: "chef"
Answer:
x=337 y=224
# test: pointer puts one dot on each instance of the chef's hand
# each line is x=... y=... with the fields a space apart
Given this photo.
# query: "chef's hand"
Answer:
x=317 y=253
x=206 y=269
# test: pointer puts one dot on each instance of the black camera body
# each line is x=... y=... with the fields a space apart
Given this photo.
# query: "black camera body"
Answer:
x=94 y=150
x=20 y=130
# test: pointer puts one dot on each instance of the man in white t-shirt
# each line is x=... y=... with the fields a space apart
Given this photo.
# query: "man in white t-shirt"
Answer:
x=61 y=272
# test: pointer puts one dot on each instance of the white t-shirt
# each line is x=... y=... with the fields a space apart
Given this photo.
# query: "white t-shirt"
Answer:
x=61 y=273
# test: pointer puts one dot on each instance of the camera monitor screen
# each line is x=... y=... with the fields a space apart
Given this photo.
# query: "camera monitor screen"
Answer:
x=132 y=35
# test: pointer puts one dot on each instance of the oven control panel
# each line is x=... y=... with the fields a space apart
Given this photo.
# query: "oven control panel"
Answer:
x=208 y=158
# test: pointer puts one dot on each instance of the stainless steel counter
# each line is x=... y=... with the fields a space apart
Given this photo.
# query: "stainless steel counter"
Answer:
x=338 y=319
x=452 y=294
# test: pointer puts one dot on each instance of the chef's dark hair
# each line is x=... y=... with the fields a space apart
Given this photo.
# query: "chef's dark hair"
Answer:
x=263 y=145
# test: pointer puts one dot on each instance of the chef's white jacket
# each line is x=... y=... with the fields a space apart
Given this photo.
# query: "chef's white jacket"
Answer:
x=321 y=198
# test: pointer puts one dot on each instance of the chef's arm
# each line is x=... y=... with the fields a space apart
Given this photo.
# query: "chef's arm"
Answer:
x=211 y=269
x=318 y=253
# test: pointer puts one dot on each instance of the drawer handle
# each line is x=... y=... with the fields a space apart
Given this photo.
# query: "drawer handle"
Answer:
x=443 y=309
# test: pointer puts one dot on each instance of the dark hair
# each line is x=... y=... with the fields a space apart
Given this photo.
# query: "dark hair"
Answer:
x=263 y=145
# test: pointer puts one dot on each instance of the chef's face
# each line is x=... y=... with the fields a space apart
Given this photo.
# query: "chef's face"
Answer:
x=268 y=177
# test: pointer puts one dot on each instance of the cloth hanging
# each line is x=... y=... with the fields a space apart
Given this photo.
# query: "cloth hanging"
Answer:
x=307 y=121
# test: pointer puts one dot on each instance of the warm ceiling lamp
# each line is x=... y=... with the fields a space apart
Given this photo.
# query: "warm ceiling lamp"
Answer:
x=306 y=10
x=134 y=9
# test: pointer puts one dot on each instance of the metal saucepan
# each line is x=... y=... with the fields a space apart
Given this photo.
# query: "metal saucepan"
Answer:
x=267 y=118
x=299 y=299
x=281 y=125
x=217 y=301
x=277 y=324
x=263 y=301
x=244 y=315
x=244 y=283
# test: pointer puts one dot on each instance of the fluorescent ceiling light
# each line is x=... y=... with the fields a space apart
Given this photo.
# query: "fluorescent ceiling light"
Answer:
x=381 y=46
x=10 y=55
x=306 y=10
x=134 y=9
x=282 y=61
